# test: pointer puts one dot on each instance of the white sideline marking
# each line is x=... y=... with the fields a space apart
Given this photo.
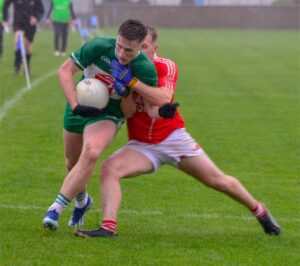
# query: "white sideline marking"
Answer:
x=8 y=104
x=157 y=213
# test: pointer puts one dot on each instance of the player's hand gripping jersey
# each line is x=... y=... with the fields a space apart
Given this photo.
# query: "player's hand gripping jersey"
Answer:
x=143 y=128
x=95 y=57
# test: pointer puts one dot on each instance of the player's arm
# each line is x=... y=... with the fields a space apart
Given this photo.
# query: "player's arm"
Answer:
x=38 y=13
x=154 y=95
x=65 y=76
x=167 y=110
x=162 y=94
x=128 y=106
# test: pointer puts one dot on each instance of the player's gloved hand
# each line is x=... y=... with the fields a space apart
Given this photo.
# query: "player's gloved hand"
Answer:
x=168 y=110
x=123 y=74
x=86 y=111
x=121 y=89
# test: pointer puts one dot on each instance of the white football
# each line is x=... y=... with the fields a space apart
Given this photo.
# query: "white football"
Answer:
x=92 y=92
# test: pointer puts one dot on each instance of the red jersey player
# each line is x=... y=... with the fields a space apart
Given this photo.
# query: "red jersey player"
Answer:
x=141 y=126
x=153 y=142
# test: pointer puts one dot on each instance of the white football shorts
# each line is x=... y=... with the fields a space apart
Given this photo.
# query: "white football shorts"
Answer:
x=177 y=145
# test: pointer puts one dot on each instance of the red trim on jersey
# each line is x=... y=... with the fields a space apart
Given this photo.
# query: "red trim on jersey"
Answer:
x=143 y=128
x=108 y=80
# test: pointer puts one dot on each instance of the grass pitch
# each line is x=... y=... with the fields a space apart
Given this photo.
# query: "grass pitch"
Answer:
x=239 y=94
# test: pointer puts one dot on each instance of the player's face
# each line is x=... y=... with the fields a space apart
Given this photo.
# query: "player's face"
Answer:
x=149 y=47
x=126 y=50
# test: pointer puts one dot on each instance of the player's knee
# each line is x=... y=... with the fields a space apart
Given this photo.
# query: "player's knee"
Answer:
x=105 y=170
x=109 y=170
x=91 y=153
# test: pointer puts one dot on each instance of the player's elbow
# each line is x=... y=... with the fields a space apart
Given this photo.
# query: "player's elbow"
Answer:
x=160 y=100
x=68 y=68
x=62 y=71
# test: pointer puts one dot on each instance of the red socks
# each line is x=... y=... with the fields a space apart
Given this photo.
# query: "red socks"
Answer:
x=109 y=225
x=259 y=211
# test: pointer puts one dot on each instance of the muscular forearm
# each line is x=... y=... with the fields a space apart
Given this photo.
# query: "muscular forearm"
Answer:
x=155 y=96
x=65 y=76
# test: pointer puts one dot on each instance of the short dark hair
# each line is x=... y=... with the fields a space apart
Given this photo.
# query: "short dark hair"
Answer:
x=152 y=31
x=133 y=30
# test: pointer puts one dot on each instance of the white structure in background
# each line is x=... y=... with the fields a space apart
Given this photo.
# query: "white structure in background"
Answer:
x=83 y=7
x=209 y=2
x=237 y=2
x=86 y=6
x=98 y=2
x=165 y=2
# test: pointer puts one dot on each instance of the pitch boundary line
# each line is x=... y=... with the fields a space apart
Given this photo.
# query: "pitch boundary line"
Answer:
x=9 y=103
x=158 y=213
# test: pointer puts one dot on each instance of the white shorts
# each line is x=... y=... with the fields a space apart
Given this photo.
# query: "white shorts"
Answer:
x=177 y=145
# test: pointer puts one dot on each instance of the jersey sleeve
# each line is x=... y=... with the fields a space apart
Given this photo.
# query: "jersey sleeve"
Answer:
x=167 y=74
x=144 y=70
x=84 y=56
x=89 y=52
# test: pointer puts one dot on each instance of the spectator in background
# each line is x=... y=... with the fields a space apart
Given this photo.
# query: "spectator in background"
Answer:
x=62 y=12
x=26 y=16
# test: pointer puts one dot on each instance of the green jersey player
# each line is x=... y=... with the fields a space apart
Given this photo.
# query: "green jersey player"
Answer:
x=94 y=58
x=87 y=130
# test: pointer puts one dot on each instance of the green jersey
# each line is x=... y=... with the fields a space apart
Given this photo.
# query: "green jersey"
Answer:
x=94 y=58
x=1 y=12
x=61 y=11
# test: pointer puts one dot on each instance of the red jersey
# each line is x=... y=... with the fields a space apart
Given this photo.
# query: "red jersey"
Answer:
x=143 y=128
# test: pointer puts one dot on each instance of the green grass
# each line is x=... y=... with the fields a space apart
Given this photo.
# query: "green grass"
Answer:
x=239 y=94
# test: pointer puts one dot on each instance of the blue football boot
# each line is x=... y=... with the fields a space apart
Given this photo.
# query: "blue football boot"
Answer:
x=51 y=220
x=77 y=218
